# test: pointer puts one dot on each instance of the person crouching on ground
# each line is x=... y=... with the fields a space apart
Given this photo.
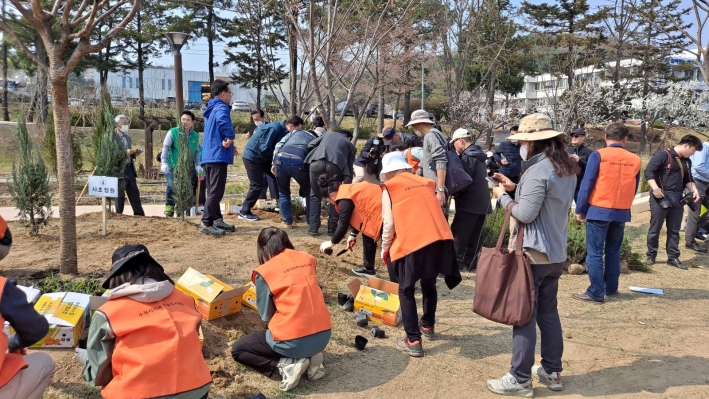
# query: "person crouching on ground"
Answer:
x=290 y=300
x=22 y=376
x=417 y=244
x=360 y=206
x=144 y=341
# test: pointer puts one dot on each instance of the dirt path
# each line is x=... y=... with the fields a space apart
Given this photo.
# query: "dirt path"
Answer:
x=634 y=346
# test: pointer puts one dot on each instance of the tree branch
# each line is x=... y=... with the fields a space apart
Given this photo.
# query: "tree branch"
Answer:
x=24 y=48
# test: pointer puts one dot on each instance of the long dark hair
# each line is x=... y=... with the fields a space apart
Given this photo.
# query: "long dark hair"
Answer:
x=271 y=242
x=555 y=150
x=328 y=185
x=137 y=272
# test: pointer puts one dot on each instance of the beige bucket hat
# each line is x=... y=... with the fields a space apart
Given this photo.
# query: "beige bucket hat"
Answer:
x=419 y=116
x=536 y=127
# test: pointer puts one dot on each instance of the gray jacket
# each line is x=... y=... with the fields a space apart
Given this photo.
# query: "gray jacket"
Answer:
x=543 y=203
x=433 y=150
x=127 y=144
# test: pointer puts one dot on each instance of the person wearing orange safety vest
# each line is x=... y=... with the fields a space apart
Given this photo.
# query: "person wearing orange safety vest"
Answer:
x=359 y=206
x=417 y=244
x=290 y=300
x=413 y=155
x=22 y=376
x=605 y=197
x=144 y=341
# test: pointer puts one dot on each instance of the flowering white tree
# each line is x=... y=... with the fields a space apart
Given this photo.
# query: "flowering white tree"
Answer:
x=586 y=103
x=472 y=110
x=682 y=103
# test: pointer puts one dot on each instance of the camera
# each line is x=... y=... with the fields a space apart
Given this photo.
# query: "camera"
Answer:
x=375 y=156
x=491 y=165
x=688 y=200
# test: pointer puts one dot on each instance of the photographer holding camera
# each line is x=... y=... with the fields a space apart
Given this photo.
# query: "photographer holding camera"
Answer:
x=668 y=173
x=369 y=162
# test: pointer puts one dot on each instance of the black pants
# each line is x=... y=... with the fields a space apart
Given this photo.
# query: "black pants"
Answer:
x=672 y=217
x=316 y=169
x=467 y=228
x=255 y=171
x=370 y=252
x=131 y=189
x=693 y=222
x=215 y=179
x=269 y=184
x=253 y=350
x=398 y=273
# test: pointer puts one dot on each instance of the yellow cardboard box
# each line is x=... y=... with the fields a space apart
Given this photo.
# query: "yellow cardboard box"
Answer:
x=249 y=297
x=213 y=297
x=378 y=299
x=66 y=313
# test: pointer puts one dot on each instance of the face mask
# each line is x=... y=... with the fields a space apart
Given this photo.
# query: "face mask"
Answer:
x=523 y=152
x=258 y=123
x=418 y=133
x=124 y=128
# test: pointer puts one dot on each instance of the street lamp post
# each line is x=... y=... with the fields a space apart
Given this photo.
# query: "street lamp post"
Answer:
x=177 y=40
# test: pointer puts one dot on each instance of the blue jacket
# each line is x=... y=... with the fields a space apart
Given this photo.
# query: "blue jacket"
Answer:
x=260 y=146
x=217 y=128
x=511 y=152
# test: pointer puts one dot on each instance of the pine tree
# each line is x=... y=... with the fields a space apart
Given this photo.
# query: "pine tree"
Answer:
x=49 y=148
x=109 y=153
x=182 y=180
x=29 y=187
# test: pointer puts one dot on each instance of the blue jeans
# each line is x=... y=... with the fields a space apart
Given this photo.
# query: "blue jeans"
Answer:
x=287 y=168
x=169 y=176
x=603 y=237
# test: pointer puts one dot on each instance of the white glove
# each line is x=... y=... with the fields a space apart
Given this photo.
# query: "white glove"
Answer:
x=164 y=168
x=326 y=245
x=351 y=241
x=81 y=356
x=199 y=170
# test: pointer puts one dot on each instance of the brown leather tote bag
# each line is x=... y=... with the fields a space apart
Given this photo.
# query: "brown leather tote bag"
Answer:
x=504 y=287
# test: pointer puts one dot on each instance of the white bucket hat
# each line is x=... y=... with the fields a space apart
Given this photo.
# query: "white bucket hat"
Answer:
x=419 y=116
x=535 y=127
x=394 y=161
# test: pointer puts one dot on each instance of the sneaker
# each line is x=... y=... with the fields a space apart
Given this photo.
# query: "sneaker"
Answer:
x=551 y=380
x=219 y=223
x=316 y=370
x=364 y=272
x=291 y=370
x=427 y=332
x=277 y=210
x=169 y=211
x=414 y=349
x=210 y=230
x=248 y=216
x=285 y=225
x=508 y=386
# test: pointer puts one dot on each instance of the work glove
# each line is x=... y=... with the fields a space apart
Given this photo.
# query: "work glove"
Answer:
x=81 y=356
x=326 y=247
x=385 y=257
x=164 y=168
x=351 y=241
x=200 y=172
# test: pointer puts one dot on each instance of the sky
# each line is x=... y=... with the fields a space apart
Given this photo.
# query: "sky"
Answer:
x=194 y=56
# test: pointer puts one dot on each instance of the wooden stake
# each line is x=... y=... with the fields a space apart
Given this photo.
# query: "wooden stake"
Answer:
x=105 y=212
x=196 y=200
x=86 y=185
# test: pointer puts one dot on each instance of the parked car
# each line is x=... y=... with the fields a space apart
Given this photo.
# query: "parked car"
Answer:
x=193 y=105
x=239 y=105
x=340 y=107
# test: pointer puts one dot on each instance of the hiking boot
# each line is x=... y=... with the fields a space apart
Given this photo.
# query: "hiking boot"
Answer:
x=551 y=380
x=291 y=370
x=649 y=261
x=219 y=223
x=316 y=370
x=210 y=230
x=676 y=263
x=169 y=211
x=248 y=216
x=364 y=272
x=414 y=349
x=427 y=332
x=508 y=386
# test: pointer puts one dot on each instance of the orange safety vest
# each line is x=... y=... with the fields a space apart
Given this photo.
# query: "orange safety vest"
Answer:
x=10 y=363
x=3 y=227
x=367 y=214
x=157 y=350
x=616 y=183
x=412 y=161
x=418 y=218
x=300 y=304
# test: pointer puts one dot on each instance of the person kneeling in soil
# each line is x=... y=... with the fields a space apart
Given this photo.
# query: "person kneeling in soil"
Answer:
x=417 y=244
x=144 y=341
x=22 y=376
x=289 y=298
x=360 y=206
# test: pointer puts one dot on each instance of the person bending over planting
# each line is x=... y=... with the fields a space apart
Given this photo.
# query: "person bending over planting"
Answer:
x=360 y=206
x=290 y=300
x=144 y=341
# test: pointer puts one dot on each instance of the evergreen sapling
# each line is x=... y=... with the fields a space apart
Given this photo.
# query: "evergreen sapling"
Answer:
x=182 y=189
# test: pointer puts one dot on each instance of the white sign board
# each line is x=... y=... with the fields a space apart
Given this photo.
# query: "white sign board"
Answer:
x=102 y=186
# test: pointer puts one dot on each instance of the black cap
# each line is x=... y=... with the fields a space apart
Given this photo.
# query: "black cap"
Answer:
x=126 y=255
x=579 y=131
x=389 y=133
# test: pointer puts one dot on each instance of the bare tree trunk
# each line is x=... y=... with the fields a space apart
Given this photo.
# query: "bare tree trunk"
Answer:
x=380 y=114
x=407 y=100
x=210 y=42
x=396 y=110
x=5 y=110
x=42 y=85
x=141 y=69
x=65 y=174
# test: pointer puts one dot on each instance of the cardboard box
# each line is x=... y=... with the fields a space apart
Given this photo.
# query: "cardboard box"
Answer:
x=67 y=314
x=640 y=204
x=249 y=297
x=378 y=299
x=32 y=293
x=214 y=298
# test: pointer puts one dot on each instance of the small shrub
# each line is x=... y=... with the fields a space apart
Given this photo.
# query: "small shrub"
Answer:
x=49 y=148
x=53 y=283
x=658 y=124
x=491 y=229
x=644 y=186
x=576 y=241
x=634 y=259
